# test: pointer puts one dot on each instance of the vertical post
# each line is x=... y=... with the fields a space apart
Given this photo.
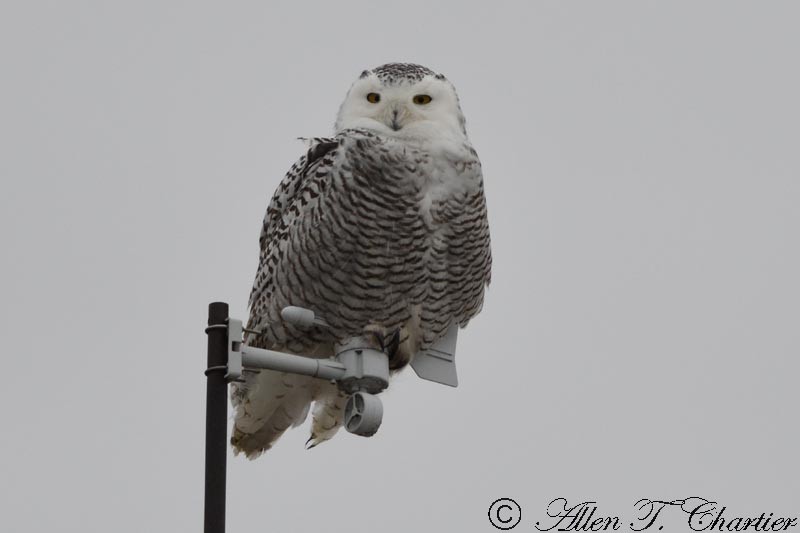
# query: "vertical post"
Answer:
x=216 y=418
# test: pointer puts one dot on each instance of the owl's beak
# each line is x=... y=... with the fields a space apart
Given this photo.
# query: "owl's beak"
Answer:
x=396 y=117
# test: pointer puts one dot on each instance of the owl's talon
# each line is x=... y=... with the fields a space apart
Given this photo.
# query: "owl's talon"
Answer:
x=392 y=343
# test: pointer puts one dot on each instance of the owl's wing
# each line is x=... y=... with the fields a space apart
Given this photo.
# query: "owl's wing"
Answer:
x=320 y=154
x=267 y=403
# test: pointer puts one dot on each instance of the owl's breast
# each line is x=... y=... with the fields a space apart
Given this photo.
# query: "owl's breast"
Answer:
x=382 y=239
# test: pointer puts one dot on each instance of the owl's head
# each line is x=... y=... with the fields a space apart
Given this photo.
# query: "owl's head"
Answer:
x=403 y=100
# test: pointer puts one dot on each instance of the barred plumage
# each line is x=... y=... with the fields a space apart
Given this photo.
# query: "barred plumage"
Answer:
x=376 y=229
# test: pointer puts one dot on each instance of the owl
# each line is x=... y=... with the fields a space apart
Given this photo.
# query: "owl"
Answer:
x=382 y=230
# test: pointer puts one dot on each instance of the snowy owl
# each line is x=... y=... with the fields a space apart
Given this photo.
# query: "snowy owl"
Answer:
x=380 y=229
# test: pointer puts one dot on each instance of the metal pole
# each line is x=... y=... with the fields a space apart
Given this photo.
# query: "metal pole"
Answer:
x=216 y=418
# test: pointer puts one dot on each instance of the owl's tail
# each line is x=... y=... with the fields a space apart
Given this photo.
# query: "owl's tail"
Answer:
x=268 y=403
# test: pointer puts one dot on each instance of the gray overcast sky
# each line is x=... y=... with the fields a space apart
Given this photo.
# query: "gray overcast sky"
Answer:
x=640 y=338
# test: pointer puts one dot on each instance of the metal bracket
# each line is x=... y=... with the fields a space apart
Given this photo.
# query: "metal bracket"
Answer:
x=234 y=372
x=436 y=364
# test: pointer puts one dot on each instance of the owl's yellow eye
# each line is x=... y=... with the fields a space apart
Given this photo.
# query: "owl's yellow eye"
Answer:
x=373 y=98
x=422 y=99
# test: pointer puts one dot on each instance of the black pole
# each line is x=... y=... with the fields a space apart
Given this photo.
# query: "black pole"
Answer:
x=216 y=417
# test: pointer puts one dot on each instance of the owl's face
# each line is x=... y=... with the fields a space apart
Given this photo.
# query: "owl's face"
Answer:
x=403 y=100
